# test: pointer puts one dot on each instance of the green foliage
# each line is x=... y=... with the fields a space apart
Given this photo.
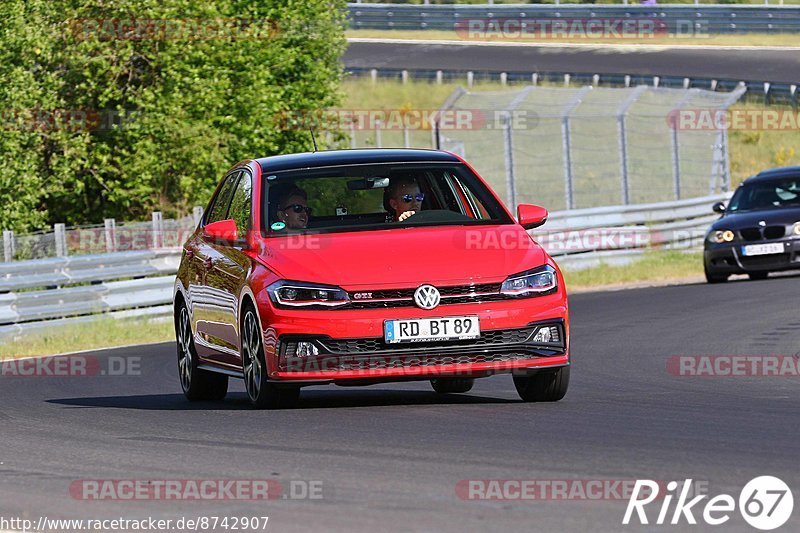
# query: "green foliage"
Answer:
x=146 y=123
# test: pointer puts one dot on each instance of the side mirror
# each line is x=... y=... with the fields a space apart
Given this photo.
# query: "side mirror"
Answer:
x=718 y=207
x=222 y=231
x=531 y=216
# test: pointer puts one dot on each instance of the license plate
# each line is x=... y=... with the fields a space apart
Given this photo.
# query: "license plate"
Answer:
x=762 y=249
x=432 y=329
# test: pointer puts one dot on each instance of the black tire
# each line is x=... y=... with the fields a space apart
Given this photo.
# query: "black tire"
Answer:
x=197 y=384
x=545 y=386
x=262 y=393
x=755 y=276
x=452 y=385
x=714 y=277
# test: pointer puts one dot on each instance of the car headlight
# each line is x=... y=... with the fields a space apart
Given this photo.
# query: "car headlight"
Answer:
x=721 y=236
x=285 y=293
x=796 y=229
x=542 y=280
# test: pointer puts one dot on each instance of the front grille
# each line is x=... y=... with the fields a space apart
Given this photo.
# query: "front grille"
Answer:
x=373 y=345
x=765 y=261
x=758 y=234
x=392 y=298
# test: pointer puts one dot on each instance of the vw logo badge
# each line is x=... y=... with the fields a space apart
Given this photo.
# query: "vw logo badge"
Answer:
x=427 y=296
x=762 y=223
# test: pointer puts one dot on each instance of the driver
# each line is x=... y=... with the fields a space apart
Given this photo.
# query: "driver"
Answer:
x=292 y=208
x=403 y=198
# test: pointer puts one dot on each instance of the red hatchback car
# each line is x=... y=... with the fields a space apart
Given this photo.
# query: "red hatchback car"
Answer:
x=357 y=267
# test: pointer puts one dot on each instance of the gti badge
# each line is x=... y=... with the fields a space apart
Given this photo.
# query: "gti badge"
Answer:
x=427 y=296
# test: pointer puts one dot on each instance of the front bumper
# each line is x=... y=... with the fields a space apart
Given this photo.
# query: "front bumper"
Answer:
x=727 y=258
x=351 y=345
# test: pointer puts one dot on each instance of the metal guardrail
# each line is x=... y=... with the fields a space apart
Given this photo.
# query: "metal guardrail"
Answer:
x=679 y=18
x=617 y=235
x=577 y=239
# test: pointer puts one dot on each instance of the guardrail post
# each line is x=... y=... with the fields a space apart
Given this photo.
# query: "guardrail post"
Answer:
x=197 y=214
x=373 y=74
x=110 y=234
x=404 y=76
x=8 y=246
x=504 y=78
x=157 y=229
x=439 y=77
x=793 y=95
x=470 y=78
x=535 y=79
x=60 y=233
x=566 y=80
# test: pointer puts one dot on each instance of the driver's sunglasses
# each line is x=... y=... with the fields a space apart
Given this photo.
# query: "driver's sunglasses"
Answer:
x=408 y=198
x=297 y=208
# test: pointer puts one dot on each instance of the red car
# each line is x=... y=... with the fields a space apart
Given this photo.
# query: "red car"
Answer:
x=357 y=267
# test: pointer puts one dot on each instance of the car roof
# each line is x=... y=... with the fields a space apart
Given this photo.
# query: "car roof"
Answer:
x=774 y=173
x=329 y=158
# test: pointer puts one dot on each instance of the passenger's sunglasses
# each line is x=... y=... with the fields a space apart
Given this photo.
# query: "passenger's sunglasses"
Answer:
x=297 y=208
x=408 y=198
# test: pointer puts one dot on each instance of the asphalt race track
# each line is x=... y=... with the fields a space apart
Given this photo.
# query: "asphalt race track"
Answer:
x=773 y=65
x=389 y=457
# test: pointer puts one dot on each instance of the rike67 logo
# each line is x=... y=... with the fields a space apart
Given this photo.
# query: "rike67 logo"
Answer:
x=765 y=503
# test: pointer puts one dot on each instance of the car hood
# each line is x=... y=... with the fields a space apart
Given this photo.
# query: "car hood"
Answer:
x=750 y=219
x=404 y=256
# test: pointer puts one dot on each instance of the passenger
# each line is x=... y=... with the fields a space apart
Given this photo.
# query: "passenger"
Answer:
x=403 y=198
x=292 y=208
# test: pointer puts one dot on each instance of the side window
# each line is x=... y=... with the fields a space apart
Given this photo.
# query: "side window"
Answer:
x=240 y=204
x=219 y=207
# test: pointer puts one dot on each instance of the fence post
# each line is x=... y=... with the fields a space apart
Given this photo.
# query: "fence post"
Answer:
x=378 y=138
x=157 y=227
x=60 y=234
x=508 y=147
x=406 y=139
x=111 y=234
x=197 y=214
x=676 y=160
x=622 y=113
x=8 y=246
x=352 y=135
x=566 y=145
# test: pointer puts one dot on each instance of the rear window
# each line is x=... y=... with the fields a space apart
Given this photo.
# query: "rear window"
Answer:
x=363 y=197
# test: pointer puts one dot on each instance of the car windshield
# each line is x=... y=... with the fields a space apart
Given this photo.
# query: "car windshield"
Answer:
x=766 y=195
x=379 y=196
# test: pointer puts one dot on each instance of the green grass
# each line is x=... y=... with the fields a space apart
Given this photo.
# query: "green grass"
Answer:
x=103 y=333
x=656 y=266
x=746 y=39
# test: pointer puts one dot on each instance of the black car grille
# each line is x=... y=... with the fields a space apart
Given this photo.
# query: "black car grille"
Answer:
x=458 y=294
x=765 y=261
x=758 y=234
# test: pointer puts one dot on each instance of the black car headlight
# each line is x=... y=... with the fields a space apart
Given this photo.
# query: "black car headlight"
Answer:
x=285 y=293
x=536 y=282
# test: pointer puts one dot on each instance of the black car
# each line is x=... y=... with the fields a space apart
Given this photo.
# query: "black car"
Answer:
x=759 y=231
